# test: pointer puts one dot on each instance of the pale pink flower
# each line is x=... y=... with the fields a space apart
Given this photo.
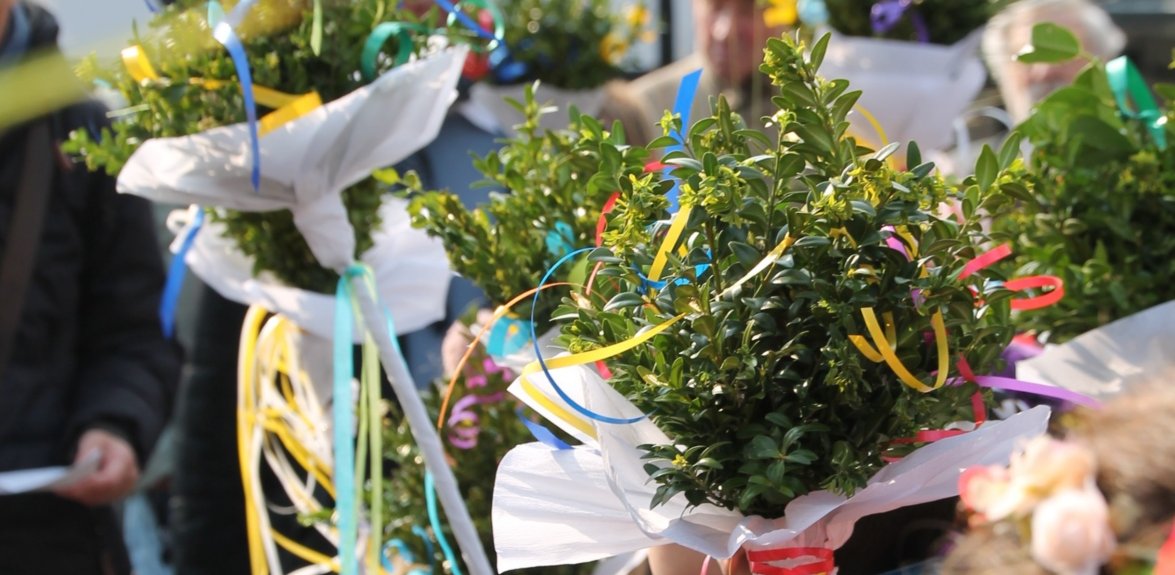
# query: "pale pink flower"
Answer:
x=1071 y=532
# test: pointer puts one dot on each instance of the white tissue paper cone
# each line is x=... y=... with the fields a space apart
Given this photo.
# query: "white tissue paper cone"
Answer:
x=1133 y=351
x=306 y=163
x=410 y=269
x=554 y=507
x=914 y=90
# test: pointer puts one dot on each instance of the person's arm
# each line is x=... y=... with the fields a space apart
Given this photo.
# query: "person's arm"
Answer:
x=127 y=369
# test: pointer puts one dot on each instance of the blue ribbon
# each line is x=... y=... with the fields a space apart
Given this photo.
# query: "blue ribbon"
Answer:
x=504 y=341
x=175 y=276
x=538 y=352
x=404 y=552
x=540 y=433
x=686 y=93
x=434 y=519
x=215 y=14
x=812 y=12
x=343 y=416
x=423 y=535
x=559 y=239
x=227 y=36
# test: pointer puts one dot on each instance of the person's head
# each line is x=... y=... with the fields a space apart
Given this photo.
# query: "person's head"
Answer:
x=731 y=35
x=1023 y=85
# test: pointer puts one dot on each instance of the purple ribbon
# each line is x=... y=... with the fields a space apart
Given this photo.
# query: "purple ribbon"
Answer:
x=888 y=13
x=464 y=424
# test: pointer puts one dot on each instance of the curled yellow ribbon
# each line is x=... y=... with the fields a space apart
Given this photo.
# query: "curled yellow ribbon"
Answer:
x=675 y=230
x=884 y=349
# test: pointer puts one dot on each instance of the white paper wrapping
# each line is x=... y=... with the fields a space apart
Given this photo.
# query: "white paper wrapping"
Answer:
x=915 y=90
x=568 y=506
x=1133 y=351
x=410 y=268
x=306 y=163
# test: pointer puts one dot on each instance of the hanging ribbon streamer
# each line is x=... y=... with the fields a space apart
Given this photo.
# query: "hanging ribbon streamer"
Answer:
x=802 y=560
x=316 y=29
x=405 y=555
x=686 y=94
x=602 y=222
x=1128 y=84
x=886 y=14
x=343 y=417
x=175 y=276
x=225 y=33
x=434 y=519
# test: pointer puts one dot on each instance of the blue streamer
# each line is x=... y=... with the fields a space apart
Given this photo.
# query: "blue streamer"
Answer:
x=539 y=352
x=559 y=239
x=540 y=433
x=466 y=20
x=508 y=336
x=227 y=36
x=423 y=535
x=405 y=553
x=343 y=416
x=175 y=277
x=687 y=91
x=434 y=519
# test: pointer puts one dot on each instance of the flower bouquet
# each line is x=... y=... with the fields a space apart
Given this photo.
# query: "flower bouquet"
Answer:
x=916 y=61
x=571 y=48
x=783 y=352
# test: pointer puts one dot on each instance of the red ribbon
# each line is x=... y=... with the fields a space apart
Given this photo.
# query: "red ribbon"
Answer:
x=819 y=560
x=1044 y=300
x=984 y=260
x=602 y=223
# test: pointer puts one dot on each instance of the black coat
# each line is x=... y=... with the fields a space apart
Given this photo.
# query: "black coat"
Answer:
x=89 y=349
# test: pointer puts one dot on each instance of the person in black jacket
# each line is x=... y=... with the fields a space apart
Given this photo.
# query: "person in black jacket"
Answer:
x=85 y=370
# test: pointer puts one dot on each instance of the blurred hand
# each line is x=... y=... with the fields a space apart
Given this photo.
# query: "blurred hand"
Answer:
x=117 y=473
x=457 y=341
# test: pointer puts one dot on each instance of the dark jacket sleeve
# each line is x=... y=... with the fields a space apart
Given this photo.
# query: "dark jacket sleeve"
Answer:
x=128 y=370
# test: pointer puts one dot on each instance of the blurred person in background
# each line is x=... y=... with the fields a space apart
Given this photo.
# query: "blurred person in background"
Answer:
x=1023 y=85
x=86 y=373
x=730 y=36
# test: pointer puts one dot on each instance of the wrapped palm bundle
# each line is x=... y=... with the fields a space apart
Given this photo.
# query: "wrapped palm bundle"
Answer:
x=792 y=350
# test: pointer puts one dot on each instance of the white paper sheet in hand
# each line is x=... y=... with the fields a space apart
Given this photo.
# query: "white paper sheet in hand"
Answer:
x=914 y=90
x=555 y=507
x=306 y=163
x=1135 y=350
x=411 y=270
x=45 y=478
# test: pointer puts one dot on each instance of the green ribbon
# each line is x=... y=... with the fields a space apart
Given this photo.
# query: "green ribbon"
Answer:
x=316 y=29
x=1128 y=84
x=375 y=42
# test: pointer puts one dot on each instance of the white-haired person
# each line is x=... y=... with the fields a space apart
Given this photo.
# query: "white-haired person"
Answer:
x=1023 y=85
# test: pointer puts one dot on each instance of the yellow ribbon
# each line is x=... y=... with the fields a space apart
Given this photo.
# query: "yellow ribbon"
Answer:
x=867 y=350
x=675 y=230
x=886 y=351
x=766 y=262
x=557 y=410
x=246 y=370
x=287 y=107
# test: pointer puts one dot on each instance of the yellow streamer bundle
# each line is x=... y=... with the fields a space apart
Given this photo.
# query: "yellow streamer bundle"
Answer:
x=281 y=421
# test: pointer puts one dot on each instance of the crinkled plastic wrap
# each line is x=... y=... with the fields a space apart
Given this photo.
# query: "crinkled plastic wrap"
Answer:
x=916 y=91
x=305 y=165
x=574 y=505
